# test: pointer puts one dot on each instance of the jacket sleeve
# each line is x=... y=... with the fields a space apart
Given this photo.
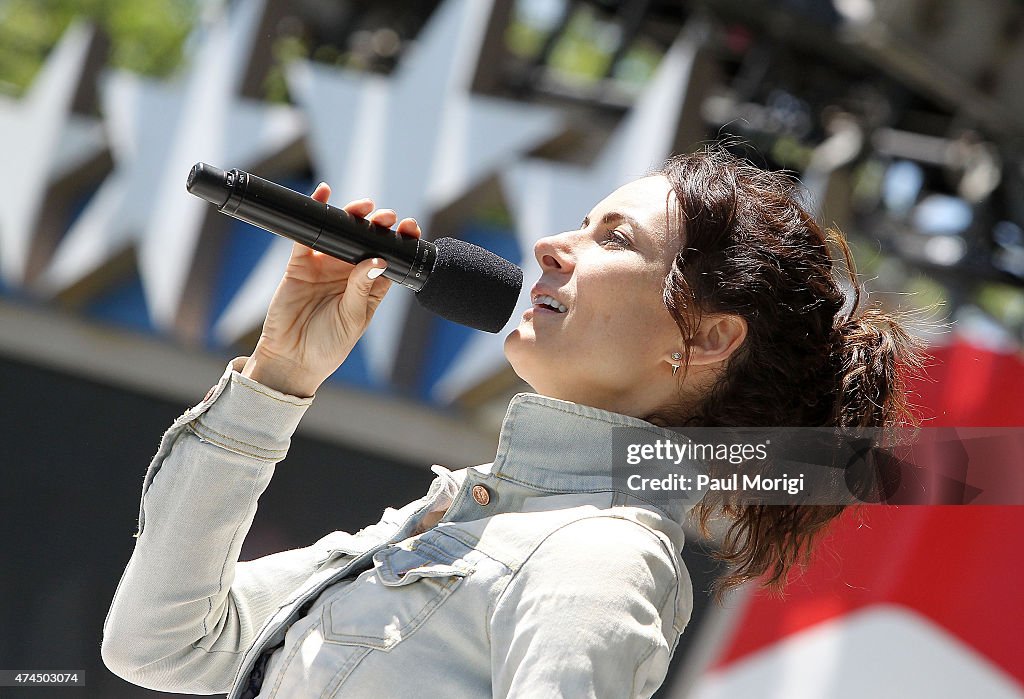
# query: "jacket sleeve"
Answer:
x=596 y=611
x=185 y=610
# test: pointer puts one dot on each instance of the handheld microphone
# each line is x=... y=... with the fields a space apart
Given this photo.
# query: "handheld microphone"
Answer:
x=456 y=280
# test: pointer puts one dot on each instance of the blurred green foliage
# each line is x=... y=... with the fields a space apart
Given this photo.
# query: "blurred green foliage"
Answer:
x=578 y=55
x=285 y=49
x=523 y=39
x=1003 y=302
x=582 y=53
x=146 y=36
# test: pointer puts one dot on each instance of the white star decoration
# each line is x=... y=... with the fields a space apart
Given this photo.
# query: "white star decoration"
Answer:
x=413 y=141
x=548 y=197
x=158 y=131
x=119 y=211
x=40 y=138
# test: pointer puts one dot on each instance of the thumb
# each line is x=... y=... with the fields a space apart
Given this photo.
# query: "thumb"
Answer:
x=363 y=292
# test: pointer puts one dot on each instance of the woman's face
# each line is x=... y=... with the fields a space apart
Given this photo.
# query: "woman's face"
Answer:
x=611 y=346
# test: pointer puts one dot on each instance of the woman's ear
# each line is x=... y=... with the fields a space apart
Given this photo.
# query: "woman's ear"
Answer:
x=716 y=339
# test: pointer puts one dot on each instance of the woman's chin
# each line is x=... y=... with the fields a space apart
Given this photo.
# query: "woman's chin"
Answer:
x=518 y=342
x=523 y=366
x=511 y=346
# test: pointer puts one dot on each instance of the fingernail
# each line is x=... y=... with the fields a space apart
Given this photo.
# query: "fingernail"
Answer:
x=375 y=272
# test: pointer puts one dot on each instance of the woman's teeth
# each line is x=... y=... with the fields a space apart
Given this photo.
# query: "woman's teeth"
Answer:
x=550 y=302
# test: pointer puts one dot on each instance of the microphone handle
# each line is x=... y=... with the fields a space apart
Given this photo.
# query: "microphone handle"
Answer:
x=320 y=226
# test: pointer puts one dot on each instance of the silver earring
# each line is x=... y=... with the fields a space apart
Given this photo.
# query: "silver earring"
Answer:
x=675 y=367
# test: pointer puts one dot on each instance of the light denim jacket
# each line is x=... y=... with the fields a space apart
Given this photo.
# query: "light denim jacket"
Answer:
x=548 y=582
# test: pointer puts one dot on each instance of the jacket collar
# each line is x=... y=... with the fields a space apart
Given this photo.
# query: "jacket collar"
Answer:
x=563 y=447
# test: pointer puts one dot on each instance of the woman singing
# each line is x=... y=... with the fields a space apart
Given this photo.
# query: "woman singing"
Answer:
x=702 y=295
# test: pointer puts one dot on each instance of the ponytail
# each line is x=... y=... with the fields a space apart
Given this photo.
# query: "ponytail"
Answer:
x=873 y=357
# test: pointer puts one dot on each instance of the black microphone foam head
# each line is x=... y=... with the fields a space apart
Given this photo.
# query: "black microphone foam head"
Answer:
x=471 y=286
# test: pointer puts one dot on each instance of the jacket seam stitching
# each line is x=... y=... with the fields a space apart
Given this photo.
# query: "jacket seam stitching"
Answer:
x=343 y=673
x=243 y=384
x=229 y=438
x=552 y=489
x=653 y=429
x=571 y=491
x=202 y=431
x=670 y=594
x=285 y=662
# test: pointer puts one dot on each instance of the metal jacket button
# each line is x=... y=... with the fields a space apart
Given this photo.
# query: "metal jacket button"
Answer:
x=481 y=495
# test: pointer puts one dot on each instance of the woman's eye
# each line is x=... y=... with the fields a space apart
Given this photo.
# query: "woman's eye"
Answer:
x=618 y=238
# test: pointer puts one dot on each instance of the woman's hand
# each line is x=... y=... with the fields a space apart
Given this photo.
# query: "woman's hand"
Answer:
x=320 y=310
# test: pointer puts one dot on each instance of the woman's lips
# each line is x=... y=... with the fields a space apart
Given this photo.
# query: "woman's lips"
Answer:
x=540 y=311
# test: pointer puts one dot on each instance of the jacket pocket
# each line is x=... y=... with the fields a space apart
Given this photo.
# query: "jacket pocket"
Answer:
x=388 y=603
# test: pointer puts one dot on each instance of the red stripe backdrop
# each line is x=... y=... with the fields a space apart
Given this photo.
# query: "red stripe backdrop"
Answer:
x=961 y=566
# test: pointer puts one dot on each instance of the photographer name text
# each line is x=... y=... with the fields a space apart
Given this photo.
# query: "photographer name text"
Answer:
x=703 y=483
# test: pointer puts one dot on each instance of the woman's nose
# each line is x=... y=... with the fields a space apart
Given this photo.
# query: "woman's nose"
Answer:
x=554 y=252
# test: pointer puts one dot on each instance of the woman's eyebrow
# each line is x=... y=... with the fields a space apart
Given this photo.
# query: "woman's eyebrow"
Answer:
x=614 y=216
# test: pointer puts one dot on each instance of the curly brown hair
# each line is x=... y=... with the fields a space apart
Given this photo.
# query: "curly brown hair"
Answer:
x=751 y=249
